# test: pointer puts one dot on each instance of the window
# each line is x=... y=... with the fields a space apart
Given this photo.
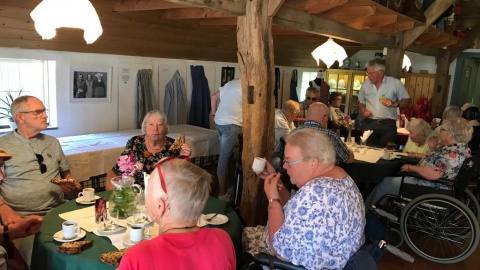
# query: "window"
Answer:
x=306 y=78
x=34 y=78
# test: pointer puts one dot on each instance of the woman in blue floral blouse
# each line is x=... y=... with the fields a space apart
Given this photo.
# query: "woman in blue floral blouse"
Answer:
x=443 y=162
x=322 y=225
x=149 y=148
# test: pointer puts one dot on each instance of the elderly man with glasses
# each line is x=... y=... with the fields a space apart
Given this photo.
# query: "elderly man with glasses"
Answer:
x=37 y=159
x=378 y=100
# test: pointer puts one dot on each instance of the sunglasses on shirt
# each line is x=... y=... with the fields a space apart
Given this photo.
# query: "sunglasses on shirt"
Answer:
x=43 y=167
x=160 y=173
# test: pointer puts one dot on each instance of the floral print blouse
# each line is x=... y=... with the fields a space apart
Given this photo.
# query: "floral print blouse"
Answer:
x=447 y=160
x=136 y=146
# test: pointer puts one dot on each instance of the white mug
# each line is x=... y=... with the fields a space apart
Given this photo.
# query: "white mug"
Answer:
x=387 y=154
x=70 y=229
x=137 y=233
x=259 y=164
x=88 y=194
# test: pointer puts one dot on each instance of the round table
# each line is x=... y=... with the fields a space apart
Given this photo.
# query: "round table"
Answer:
x=45 y=255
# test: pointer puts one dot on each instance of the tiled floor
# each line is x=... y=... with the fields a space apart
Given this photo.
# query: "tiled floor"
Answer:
x=392 y=262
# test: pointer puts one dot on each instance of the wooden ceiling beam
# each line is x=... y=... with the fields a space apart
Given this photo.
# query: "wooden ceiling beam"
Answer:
x=316 y=7
x=427 y=36
x=304 y=22
x=140 y=5
x=431 y=14
x=379 y=20
x=393 y=28
x=236 y=8
x=192 y=13
x=417 y=48
x=346 y=14
x=274 y=6
x=446 y=43
x=226 y=21
x=440 y=39
x=468 y=41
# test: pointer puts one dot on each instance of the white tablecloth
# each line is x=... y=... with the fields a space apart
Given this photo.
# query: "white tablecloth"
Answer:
x=94 y=154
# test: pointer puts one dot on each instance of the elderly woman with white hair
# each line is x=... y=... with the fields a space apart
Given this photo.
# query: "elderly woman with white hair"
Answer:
x=322 y=225
x=177 y=194
x=149 y=147
x=443 y=162
x=420 y=134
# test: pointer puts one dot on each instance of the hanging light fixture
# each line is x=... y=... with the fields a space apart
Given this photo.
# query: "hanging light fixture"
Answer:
x=52 y=14
x=406 y=62
x=329 y=52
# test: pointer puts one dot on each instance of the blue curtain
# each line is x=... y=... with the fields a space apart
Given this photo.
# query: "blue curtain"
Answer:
x=200 y=107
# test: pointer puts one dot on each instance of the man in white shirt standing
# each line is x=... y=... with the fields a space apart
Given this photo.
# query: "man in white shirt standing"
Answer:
x=227 y=112
x=284 y=122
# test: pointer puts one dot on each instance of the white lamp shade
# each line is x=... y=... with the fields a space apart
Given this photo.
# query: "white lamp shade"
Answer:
x=406 y=62
x=329 y=52
x=52 y=14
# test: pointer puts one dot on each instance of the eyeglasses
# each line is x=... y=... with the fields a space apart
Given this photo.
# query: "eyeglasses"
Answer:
x=312 y=98
x=373 y=72
x=162 y=180
x=36 y=112
x=293 y=163
x=43 y=167
x=338 y=98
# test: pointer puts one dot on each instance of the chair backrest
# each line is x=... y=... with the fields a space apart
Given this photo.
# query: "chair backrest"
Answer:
x=469 y=171
x=474 y=143
x=97 y=182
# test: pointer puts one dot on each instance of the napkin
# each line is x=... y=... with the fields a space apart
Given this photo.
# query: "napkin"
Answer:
x=365 y=135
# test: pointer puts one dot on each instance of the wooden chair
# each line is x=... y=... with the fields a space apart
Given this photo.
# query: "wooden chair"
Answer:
x=97 y=182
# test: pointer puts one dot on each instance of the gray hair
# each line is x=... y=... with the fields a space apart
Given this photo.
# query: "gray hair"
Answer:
x=419 y=126
x=378 y=63
x=20 y=104
x=160 y=115
x=188 y=188
x=459 y=128
x=313 y=144
x=451 y=112
x=312 y=90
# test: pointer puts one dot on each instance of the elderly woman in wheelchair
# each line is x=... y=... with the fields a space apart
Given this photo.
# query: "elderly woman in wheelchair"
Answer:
x=322 y=224
x=430 y=203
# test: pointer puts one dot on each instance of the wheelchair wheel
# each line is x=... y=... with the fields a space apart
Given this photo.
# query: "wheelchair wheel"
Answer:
x=440 y=228
x=471 y=202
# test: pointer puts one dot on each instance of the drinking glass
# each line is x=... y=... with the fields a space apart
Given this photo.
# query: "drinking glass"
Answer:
x=111 y=223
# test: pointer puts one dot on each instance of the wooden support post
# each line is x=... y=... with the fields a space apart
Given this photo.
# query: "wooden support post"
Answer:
x=395 y=57
x=442 y=83
x=255 y=60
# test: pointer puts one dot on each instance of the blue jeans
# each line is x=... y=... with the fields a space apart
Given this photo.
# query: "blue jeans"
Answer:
x=228 y=136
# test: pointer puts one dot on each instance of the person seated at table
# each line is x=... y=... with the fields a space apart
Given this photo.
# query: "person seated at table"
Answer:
x=443 y=162
x=284 y=122
x=449 y=112
x=178 y=192
x=337 y=117
x=149 y=148
x=317 y=118
x=322 y=225
x=312 y=95
x=37 y=159
x=420 y=134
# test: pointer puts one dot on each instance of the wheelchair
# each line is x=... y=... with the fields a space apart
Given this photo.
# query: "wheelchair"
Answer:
x=438 y=224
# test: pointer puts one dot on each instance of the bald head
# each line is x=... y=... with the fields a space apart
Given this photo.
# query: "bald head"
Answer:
x=318 y=112
x=291 y=109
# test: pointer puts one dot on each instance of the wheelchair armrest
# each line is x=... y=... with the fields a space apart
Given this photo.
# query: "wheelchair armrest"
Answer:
x=439 y=180
x=267 y=259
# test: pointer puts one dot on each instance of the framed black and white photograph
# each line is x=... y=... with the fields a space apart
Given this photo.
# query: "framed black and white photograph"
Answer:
x=90 y=84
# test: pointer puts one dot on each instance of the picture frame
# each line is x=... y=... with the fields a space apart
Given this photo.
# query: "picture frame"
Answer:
x=228 y=74
x=90 y=84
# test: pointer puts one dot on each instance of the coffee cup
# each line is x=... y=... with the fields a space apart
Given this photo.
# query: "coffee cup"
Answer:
x=391 y=146
x=137 y=233
x=70 y=229
x=387 y=154
x=140 y=216
x=259 y=164
x=88 y=194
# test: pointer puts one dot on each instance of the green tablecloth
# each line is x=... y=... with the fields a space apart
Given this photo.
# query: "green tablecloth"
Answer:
x=45 y=255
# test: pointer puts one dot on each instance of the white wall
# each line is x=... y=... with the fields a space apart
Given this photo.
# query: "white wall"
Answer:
x=419 y=61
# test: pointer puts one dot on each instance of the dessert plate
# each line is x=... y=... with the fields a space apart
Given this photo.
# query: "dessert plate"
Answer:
x=58 y=236
x=80 y=200
x=217 y=220
x=109 y=229
x=147 y=222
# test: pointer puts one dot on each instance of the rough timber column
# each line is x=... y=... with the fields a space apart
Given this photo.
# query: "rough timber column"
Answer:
x=255 y=60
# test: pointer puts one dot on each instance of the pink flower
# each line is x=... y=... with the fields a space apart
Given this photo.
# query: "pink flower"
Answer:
x=128 y=166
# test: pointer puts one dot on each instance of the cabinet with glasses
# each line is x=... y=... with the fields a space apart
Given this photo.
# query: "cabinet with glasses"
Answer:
x=348 y=83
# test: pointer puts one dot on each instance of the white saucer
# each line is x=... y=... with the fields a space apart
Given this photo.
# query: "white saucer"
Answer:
x=392 y=158
x=131 y=222
x=128 y=243
x=217 y=220
x=119 y=229
x=81 y=201
x=58 y=236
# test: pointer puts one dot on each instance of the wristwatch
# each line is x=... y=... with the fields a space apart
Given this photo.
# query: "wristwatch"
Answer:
x=273 y=200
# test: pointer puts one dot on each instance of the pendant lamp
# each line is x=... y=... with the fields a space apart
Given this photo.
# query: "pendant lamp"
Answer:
x=406 y=62
x=329 y=52
x=52 y=14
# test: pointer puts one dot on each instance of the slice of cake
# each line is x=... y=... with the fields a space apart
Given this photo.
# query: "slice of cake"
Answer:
x=113 y=257
x=74 y=247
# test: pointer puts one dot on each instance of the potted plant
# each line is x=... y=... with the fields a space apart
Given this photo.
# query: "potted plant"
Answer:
x=5 y=108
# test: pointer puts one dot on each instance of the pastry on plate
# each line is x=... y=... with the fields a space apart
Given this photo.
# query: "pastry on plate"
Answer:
x=58 y=181
x=177 y=144
x=74 y=247
x=113 y=257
